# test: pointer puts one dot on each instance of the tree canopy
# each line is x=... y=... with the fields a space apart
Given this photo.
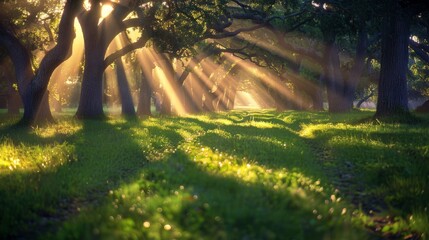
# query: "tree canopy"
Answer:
x=306 y=47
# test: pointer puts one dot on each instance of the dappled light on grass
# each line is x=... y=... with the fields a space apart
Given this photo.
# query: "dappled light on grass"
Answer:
x=191 y=189
x=387 y=161
x=253 y=174
x=24 y=158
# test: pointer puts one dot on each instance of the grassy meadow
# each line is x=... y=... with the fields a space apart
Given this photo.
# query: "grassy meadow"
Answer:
x=236 y=175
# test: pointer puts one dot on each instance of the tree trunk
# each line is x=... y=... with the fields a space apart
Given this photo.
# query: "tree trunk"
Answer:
x=317 y=95
x=300 y=87
x=13 y=99
x=221 y=93
x=91 y=95
x=143 y=107
x=364 y=99
x=124 y=90
x=232 y=92
x=334 y=78
x=191 y=92
x=356 y=71
x=166 y=103
x=33 y=88
x=424 y=108
x=169 y=86
x=208 y=96
x=392 y=86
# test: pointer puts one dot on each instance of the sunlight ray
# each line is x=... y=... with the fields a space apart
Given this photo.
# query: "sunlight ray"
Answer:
x=267 y=77
x=70 y=69
x=168 y=82
x=286 y=50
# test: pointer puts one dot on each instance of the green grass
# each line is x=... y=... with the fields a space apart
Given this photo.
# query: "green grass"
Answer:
x=237 y=175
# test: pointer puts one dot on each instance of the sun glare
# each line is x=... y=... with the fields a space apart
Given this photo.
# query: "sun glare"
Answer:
x=106 y=10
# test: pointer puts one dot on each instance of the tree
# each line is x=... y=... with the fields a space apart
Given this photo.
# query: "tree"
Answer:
x=32 y=85
x=392 y=89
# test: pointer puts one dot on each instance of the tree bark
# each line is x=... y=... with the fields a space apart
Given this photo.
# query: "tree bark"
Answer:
x=167 y=68
x=91 y=95
x=124 y=90
x=317 y=94
x=97 y=38
x=33 y=87
x=13 y=102
x=143 y=107
x=392 y=87
x=333 y=76
x=13 y=99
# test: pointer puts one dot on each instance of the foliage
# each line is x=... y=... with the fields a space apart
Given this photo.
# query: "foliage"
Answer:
x=418 y=78
x=32 y=21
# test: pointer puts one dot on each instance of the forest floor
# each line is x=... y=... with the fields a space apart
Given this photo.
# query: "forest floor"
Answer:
x=237 y=175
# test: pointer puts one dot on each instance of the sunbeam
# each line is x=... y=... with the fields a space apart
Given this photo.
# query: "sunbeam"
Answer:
x=65 y=74
x=267 y=78
x=167 y=78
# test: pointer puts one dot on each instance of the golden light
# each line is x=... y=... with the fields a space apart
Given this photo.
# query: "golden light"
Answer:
x=69 y=69
x=246 y=100
x=106 y=9
x=169 y=85
x=111 y=75
x=267 y=78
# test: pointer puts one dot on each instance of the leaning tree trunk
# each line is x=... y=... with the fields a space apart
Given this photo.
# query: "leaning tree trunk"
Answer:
x=33 y=87
x=392 y=86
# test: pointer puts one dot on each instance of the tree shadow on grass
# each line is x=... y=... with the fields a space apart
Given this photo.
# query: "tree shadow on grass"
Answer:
x=391 y=166
x=36 y=201
x=274 y=146
x=212 y=204
x=179 y=197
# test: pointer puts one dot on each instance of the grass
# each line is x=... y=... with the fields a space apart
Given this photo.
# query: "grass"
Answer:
x=237 y=175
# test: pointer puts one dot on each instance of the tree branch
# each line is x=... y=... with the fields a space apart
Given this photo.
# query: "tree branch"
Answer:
x=20 y=58
x=227 y=34
x=207 y=52
x=420 y=50
x=302 y=51
x=130 y=47
x=61 y=51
